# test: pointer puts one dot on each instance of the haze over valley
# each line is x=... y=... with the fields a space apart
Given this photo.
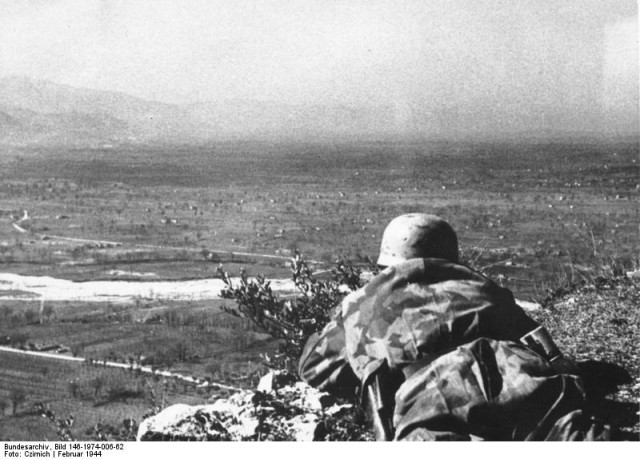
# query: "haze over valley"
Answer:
x=148 y=147
x=105 y=72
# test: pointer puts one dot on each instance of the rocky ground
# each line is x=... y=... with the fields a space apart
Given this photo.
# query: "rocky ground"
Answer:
x=597 y=323
x=281 y=409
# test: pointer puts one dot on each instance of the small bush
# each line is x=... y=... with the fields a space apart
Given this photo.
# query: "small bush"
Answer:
x=62 y=425
x=31 y=316
x=126 y=431
x=17 y=397
x=3 y=405
x=291 y=320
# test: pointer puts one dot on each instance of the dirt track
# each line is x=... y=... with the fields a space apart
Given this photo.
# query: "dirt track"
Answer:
x=124 y=366
x=19 y=228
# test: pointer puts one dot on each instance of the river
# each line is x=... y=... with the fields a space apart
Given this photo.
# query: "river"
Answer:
x=17 y=287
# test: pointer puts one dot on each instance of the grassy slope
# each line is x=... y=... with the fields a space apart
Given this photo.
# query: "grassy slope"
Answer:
x=598 y=324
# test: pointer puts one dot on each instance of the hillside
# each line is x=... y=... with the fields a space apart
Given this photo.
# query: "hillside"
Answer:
x=23 y=126
x=47 y=113
x=596 y=323
x=38 y=112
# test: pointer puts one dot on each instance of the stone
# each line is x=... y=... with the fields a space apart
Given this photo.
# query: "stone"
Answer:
x=528 y=305
x=280 y=410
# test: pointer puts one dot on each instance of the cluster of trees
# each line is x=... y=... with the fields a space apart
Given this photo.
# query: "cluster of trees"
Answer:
x=29 y=316
x=111 y=386
x=16 y=398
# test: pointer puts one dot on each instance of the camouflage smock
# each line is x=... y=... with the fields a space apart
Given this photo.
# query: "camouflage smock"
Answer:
x=453 y=335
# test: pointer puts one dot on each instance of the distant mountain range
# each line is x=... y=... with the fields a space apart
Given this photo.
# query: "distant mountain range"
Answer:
x=38 y=112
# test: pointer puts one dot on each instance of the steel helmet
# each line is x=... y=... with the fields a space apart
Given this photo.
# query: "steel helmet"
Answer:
x=417 y=236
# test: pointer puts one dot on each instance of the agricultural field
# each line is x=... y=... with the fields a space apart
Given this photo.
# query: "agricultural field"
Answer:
x=195 y=340
x=528 y=211
x=532 y=215
x=90 y=394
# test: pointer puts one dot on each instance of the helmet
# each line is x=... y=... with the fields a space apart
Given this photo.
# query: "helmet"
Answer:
x=417 y=236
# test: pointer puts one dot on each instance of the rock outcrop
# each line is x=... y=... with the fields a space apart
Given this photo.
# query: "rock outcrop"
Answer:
x=280 y=409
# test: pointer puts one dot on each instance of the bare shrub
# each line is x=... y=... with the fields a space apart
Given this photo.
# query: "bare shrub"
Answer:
x=293 y=320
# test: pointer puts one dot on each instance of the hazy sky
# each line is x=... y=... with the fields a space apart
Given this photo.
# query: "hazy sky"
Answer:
x=495 y=64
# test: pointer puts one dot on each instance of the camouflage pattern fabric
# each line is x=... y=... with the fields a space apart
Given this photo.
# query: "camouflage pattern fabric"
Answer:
x=324 y=360
x=492 y=390
x=423 y=307
x=452 y=333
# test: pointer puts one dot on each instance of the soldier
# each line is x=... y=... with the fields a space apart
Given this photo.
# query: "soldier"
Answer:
x=437 y=351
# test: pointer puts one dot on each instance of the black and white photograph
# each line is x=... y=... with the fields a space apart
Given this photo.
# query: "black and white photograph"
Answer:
x=317 y=221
